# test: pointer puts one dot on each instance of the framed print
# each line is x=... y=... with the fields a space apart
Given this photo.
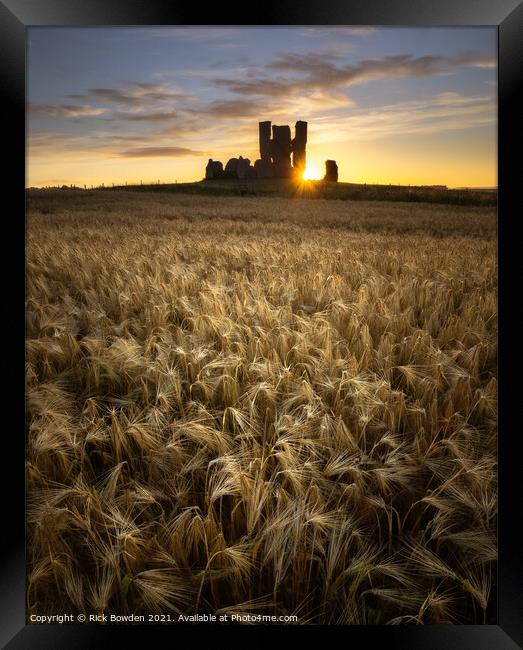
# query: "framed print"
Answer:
x=263 y=271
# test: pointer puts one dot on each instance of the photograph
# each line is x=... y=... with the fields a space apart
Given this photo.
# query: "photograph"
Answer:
x=261 y=325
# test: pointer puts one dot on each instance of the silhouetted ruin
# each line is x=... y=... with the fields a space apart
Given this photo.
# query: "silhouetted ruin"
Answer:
x=275 y=157
x=214 y=169
x=331 y=171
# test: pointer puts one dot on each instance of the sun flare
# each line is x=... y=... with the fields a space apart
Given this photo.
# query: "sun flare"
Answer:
x=311 y=173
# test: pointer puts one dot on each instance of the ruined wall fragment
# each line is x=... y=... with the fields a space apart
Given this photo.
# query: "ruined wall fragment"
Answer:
x=281 y=151
x=331 y=171
x=265 y=140
x=298 y=148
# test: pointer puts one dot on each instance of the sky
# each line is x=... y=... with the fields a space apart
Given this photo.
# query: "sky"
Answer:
x=409 y=106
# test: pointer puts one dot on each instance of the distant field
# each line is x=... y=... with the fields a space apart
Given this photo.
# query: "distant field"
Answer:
x=245 y=404
x=323 y=190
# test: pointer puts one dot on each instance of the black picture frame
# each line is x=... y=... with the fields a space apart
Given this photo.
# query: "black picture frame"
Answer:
x=15 y=16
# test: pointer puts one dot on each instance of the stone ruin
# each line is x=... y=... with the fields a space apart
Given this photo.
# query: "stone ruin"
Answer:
x=331 y=171
x=275 y=157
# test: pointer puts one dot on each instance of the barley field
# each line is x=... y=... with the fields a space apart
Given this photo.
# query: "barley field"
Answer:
x=261 y=405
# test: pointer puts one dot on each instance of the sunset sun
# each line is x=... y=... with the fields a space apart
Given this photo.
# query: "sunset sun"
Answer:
x=311 y=173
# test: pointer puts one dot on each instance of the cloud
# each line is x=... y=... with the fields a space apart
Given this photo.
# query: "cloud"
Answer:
x=232 y=108
x=159 y=152
x=359 y=31
x=66 y=111
x=134 y=94
x=322 y=72
x=469 y=59
x=312 y=64
x=146 y=117
x=436 y=114
x=192 y=34
x=229 y=116
x=340 y=31
x=131 y=102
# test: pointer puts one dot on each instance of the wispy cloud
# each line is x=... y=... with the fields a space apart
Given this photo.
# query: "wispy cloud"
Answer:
x=159 y=152
x=134 y=94
x=340 y=31
x=435 y=114
x=66 y=111
x=231 y=108
x=162 y=117
x=192 y=34
x=322 y=72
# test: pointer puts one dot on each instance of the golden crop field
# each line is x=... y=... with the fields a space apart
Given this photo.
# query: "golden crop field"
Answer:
x=261 y=405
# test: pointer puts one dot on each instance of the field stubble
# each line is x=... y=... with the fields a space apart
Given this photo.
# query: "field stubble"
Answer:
x=261 y=405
